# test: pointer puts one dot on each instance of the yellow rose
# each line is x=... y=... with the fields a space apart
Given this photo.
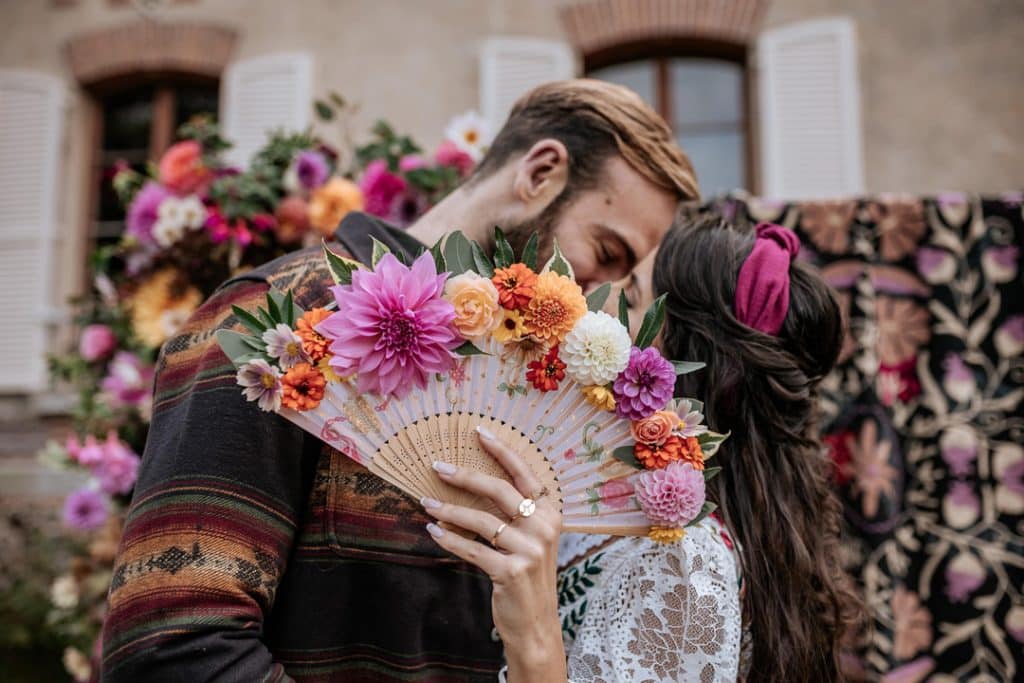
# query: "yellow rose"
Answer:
x=331 y=202
x=599 y=397
x=475 y=298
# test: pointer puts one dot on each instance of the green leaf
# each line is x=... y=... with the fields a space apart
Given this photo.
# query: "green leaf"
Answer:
x=470 y=349
x=438 y=255
x=623 y=309
x=273 y=308
x=558 y=264
x=483 y=264
x=529 y=257
x=710 y=442
x=706 y=510
x=324 y=110
x=341 y=268
x=710 y=472
x=379 y=249
x=596 y=299
x=254 y=324
x=458 y=254
x=265 y=316
x=654 y=318
x=503 y=254
x=626 y=455
x=234 y=346
x=686 y=367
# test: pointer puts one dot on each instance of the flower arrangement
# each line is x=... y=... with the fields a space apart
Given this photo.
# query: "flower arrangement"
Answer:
x=397 y=324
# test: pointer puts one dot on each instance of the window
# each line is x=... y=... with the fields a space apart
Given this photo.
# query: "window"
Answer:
x=704 y=100
x=137 y=126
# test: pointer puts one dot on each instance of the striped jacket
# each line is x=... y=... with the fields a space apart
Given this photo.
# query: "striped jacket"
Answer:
x=253 y=552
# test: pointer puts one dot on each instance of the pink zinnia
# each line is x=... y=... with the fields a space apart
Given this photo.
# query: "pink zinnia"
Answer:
x=645 y=386
x=392 y=327
x=380 y=187
x=96 y=342
x=671 y=496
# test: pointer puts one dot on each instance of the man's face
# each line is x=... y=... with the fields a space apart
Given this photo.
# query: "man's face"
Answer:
x=606 y=231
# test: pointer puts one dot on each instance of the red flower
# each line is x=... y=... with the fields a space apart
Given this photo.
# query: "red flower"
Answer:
x=546 y=373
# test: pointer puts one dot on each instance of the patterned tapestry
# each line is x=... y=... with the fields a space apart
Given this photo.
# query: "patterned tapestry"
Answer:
x=924 y=422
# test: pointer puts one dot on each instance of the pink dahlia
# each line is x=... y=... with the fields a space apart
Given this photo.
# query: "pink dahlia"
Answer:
x=645 y=386
x=671 y=496
x=392 y=328
x=380 y=187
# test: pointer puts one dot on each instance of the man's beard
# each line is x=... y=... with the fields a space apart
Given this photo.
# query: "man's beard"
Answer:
x=518 y=234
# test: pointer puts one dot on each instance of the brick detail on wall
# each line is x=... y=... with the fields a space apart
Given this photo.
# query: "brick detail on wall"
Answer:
x=595 y=25
x=149 y=46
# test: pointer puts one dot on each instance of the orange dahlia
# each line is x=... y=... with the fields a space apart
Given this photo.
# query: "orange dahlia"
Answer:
x=515 y=285
x=557 y=304
x=313 y=343
x=546 y=373
x=303 y=387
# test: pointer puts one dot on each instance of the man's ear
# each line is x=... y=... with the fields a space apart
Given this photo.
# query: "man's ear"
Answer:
x=541 y=173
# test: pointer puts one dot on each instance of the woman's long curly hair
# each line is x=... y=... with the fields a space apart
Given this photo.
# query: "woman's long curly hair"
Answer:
x=774 y=489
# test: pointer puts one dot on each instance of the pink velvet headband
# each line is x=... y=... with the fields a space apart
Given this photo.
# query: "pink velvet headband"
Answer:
x=762 y=289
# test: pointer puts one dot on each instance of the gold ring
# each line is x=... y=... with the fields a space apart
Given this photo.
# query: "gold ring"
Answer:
x=527 y=506
x=494 y=538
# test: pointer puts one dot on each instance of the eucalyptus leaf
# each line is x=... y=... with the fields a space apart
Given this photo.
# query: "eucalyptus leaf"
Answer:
x=684 y=367
x=623 y=309
x=503 y=254
x=654 y=318
x=710 y=442
x=254 y=324
x=558 y=264
x=379 y=249
x=529 y=256
x=483 y=264
x=626 y=454
x=458 y=254
x=710 y=472
x=706 y=510
x=596 y=299
x=234 y=346
x=470 y=349
x=341 y=268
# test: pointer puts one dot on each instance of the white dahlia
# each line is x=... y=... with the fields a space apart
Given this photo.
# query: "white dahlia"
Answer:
x=596 y=350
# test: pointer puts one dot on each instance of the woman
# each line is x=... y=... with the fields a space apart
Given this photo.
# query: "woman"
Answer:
x=768 y=329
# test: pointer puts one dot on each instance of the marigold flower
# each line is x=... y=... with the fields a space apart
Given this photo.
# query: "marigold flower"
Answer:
x=545 y=374
x=324 y=366
x=313 y=343
x=302 y=387
x=515 y=285
x=557 y=304
x=661 y=534
x=511 y=328
x=599 y=397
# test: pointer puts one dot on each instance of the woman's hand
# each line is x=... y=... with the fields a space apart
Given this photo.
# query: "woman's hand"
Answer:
x=522 y=563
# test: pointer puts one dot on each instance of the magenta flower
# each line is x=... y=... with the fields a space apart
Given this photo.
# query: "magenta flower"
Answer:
x=671 y=496
x=88 y=454
x=96 y=342
x=85 y=510
x=645 y=386
x=392 y=327
x=406 y=207
x=307 y=172
x=411 y=162
x=449 y=154
x=380 y=187
x=119 y=468
x=142 y=214
x=129 y=381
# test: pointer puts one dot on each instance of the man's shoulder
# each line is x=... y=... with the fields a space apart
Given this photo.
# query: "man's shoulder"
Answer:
x=304 y=273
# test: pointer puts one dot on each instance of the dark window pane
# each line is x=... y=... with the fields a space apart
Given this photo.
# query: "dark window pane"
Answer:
x=705 y=91
x=640 y=77
x=195 y=100
x=127 y=119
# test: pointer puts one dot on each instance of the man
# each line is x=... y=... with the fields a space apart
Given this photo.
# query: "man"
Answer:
x=252 y=551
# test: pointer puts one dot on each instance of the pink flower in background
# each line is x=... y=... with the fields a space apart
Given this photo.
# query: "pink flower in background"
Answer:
x=964 y=575
x=96 y=342
x=615 y=493
x=182 y=170
x=1000 y=264
x=220 y=229
x=85 y=510
x=958 y=380
x=645 y=386
x=407 y=207
x=142 y=214
x=449 y=154
x=380 y=187
x=1009 y=338
x=411 y=162
x=392 y=328
x=311 y=169
x=129 y=382
x=88 y=454
x=119 y=467
x=671 y=496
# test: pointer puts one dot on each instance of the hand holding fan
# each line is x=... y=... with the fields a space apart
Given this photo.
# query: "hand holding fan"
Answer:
x=417 y=356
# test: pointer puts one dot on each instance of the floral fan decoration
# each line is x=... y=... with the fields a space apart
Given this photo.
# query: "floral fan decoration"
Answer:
x=420 y=352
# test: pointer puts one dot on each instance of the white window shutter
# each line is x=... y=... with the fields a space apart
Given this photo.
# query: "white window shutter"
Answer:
x=31 y=114
x=810 y=111
x=511 y=66
x=261 y=95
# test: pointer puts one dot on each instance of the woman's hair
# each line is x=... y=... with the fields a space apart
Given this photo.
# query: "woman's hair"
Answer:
x=774 y=489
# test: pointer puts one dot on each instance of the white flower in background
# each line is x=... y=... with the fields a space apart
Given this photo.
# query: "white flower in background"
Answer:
x=167 y=233
x=64 y=592
x=596 y=350
x=172 y=320
x=193 y=213
x=284 y=345
x=262 y=384
x=470 y=133
x=170 y=211
x=290 y=180
x=77 y=664
x=691 y=420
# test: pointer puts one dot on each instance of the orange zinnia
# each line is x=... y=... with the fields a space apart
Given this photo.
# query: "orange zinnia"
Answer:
x=302 y=387
x=654 y=456
x=515 y=285
x=557 y=304
x=692 y=453
x=313 y=343
x=546 y=373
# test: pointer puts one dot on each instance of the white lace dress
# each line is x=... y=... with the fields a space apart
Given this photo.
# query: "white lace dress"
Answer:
x=635 y=611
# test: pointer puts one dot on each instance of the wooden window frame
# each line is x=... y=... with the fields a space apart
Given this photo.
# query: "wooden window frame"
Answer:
x=660 y=51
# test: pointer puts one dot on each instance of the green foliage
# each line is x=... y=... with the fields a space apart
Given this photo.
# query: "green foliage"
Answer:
x=529 y=256
x=503 y=254
x=558 y=263
x=626 y=455
x=597 y=298
x=654 y=318
x=341 y=268
x=458 y=254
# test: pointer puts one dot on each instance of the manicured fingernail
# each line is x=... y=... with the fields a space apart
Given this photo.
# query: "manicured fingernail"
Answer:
x=444 y=467
x=484 y=432
x=430 y=503
x=434 y=530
